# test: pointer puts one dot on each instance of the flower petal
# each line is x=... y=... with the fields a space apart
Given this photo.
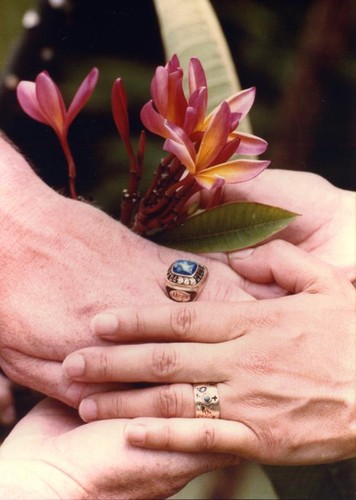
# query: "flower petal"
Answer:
x=196 y=75
x=191 y=120
x=173 y=63
x=82 y=95
x=199 y=100
x=26 y=95
x=242 y=101
x=228 y=150
x=181 y=152
x=51 y=102
x=232 y=172
x=121 y=117
x=177 y=102
x=250 y=144
x=214 y=138
x=153 y=120
x=159 y=90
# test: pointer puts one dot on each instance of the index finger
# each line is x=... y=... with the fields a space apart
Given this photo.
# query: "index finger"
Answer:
x=190 y=322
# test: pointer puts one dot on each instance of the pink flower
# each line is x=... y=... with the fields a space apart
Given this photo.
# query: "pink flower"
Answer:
x=43 y=101
x=202 y=143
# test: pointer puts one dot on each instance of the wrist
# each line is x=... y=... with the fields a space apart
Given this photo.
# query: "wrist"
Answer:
x=36 y=481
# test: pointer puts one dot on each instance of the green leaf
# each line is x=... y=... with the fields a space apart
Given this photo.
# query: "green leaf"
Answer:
x=228 y=227
x=191 y=28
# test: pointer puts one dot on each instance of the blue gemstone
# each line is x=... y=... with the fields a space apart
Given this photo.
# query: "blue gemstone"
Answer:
x=184 y=267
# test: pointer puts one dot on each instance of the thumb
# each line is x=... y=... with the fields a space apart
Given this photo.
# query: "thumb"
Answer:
x=286 y=265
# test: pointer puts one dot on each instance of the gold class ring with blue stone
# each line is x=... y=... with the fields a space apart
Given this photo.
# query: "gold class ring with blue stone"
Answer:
x=185 y=279
x=206 y=400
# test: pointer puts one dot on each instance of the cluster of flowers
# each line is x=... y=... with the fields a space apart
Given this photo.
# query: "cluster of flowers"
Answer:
x=199 y=145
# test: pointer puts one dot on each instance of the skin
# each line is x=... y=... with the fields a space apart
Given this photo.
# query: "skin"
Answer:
x=52 y=454
x=62 y=261
x=286 y=389
x=325 y=229
x=33 y=357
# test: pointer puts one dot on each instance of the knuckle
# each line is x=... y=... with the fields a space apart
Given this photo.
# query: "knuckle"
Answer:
x=207 y=437
x=224 y=290
x=103 y=367
x=182 y=321
x=277 y=245
x=164 y=361
x=169 y=402
x=167 y=437
x=109 y=407
x=258 y=317
x=136 y=323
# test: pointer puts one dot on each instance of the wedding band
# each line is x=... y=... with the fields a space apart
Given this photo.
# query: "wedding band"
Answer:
x=206 y=399
x=185 y=279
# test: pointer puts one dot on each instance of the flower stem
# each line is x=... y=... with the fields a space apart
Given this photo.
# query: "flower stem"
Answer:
x=71 y=167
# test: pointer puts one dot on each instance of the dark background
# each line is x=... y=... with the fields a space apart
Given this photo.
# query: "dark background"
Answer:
x=299 y=54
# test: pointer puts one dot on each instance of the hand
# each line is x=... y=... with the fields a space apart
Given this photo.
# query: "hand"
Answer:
x=326 y=227
x=51 y=454
x=7 y=407
x=63 y=261
x=284 y=368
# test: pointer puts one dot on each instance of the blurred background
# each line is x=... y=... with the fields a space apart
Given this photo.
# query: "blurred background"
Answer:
x=300 y=55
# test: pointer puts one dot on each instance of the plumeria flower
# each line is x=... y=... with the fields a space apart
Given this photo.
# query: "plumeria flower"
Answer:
x=203 y=143
x=43 y=101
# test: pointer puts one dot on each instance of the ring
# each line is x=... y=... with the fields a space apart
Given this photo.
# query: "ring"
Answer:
x=185 y=279
x=206 y=399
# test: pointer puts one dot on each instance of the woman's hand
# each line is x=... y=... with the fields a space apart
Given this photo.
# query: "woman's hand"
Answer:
x=52 y=454
x=284 y=368
x=326 y=227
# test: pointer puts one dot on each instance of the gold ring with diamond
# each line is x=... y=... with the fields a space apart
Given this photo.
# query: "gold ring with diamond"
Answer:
x=206 y=399
x=185 y=279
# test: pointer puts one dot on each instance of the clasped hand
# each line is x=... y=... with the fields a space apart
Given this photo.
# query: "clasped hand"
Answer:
x=284 y=368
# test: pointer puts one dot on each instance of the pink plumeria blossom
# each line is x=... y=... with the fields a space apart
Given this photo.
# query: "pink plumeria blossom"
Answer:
x=202 y=142
x=43 y=101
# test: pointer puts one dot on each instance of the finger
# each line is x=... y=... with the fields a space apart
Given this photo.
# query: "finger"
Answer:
x=166 y=401
x=192 y=322
x=288 y=266
x=193 y=435
x=162 y=363
x=47 y=377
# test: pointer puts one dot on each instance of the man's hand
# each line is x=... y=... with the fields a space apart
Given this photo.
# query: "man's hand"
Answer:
x=51 y=454
x=61 y=262
x=284 y=368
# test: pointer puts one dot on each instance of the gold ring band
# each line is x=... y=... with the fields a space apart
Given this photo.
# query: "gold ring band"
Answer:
x=206 y=399
x=185 y=279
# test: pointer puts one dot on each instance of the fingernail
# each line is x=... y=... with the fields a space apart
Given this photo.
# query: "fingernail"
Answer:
x=74 y=365
x=8 y=415
x=88 y=410
x=241 y=254
x=135 y=433
x=105 y=324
